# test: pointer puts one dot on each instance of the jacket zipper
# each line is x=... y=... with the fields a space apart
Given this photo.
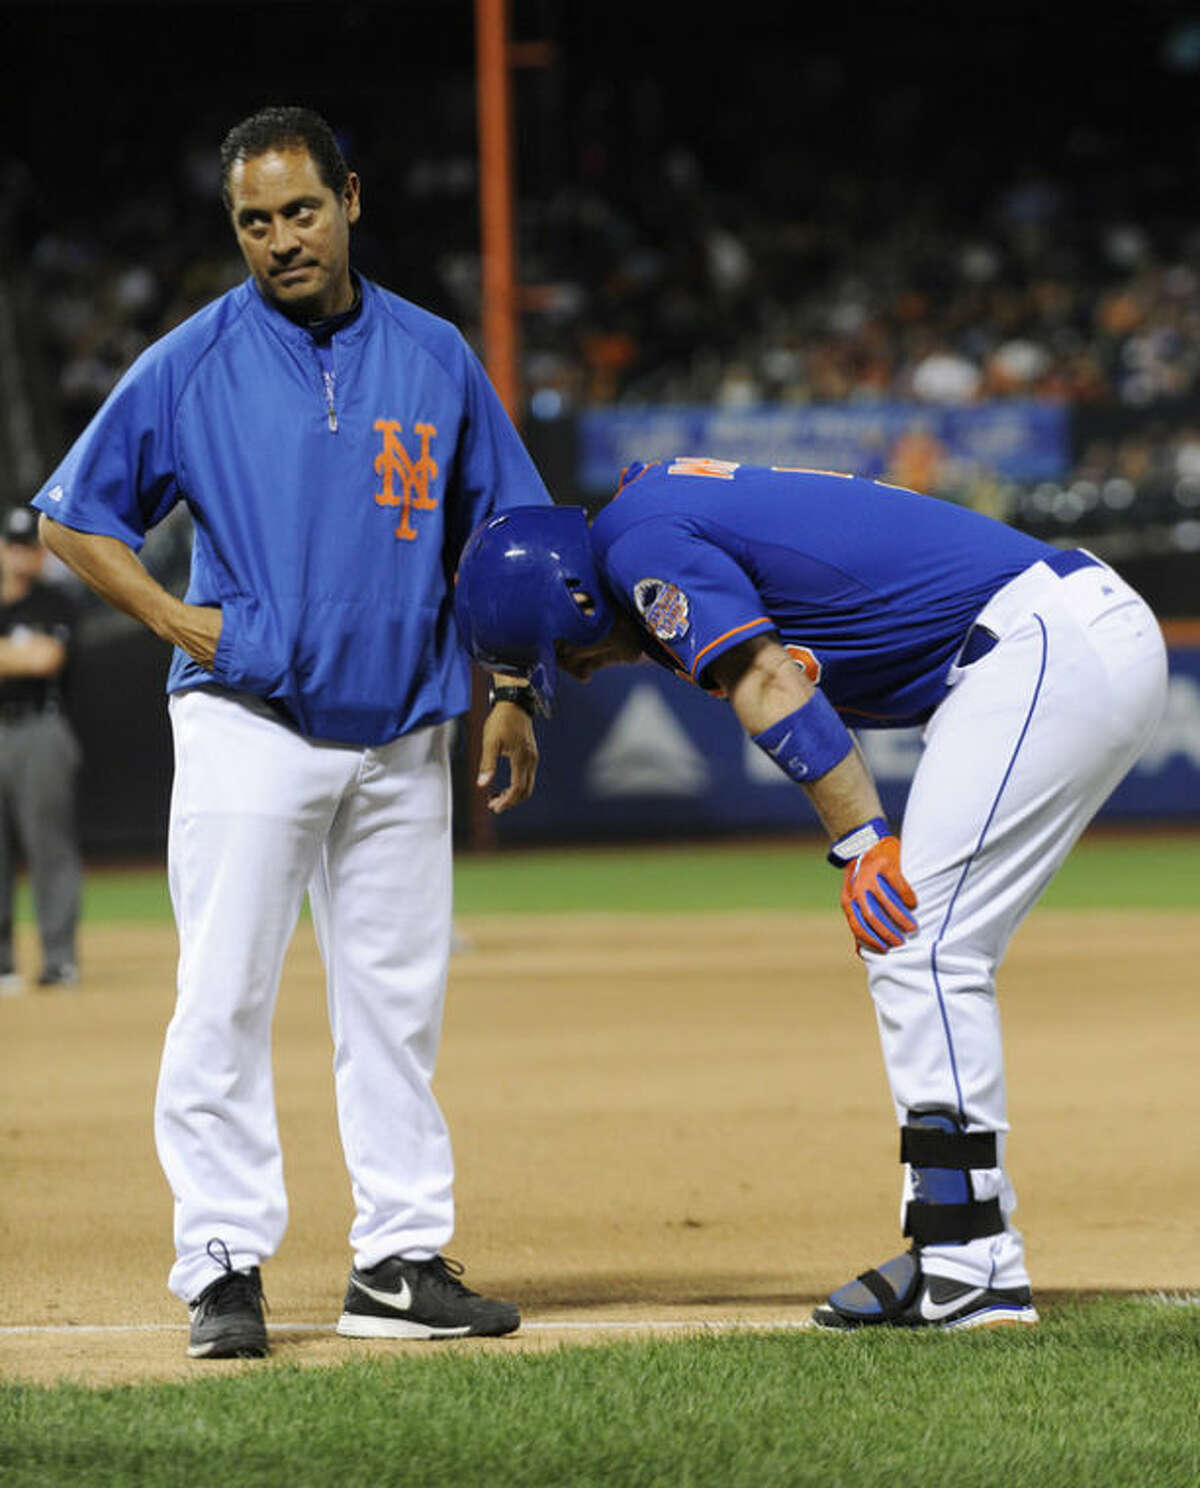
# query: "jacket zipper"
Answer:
x=328 y=378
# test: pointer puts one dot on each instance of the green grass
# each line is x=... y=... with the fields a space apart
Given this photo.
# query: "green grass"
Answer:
x=1103 y=1393
x=1104 y=872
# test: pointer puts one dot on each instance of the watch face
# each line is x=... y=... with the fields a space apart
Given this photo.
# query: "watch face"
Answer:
x=523 y=697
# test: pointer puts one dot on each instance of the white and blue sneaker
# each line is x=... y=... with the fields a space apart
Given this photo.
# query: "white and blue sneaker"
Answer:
x=898 y=1294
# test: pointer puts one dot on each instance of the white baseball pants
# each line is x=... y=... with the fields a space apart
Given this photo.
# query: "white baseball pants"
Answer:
x=1018 y=758
x=259 y=815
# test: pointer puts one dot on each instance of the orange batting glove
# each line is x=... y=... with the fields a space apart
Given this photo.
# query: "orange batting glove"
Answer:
x=876 y=897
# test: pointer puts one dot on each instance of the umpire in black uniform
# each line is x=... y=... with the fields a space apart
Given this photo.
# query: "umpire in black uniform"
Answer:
x=39 y=755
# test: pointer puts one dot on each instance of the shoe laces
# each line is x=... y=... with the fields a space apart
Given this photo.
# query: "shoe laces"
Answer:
x=448 y=1271
x=233 y=1290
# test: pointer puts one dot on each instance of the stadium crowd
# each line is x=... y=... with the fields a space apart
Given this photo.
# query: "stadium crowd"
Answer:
x=703 y=299
x=672 y=288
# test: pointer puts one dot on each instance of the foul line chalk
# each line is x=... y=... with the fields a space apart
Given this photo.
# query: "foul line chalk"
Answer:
x=575 y=1325
x=534 y=1327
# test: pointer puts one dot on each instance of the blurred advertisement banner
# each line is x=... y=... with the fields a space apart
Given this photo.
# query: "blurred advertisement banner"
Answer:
x=915 y=444
x=637 y=753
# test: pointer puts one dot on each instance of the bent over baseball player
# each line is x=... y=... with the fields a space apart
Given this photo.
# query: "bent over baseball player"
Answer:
x=816 y=603
x=335 y=446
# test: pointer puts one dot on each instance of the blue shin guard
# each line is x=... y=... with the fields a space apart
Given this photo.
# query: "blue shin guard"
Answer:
x=943 y=1209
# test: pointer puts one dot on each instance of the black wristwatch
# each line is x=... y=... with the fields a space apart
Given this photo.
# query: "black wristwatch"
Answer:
x=524 y=697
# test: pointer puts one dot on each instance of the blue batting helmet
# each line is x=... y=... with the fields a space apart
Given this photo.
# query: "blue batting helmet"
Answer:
x=514 y=596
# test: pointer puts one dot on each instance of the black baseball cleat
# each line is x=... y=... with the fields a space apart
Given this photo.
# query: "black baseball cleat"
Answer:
x=899 y=1294
x=227 y=1316
x=420 y=1299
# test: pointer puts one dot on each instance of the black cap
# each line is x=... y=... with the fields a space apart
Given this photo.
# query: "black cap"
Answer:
x=21 y=525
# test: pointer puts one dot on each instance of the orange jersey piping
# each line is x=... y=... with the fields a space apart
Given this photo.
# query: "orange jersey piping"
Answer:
x=737 y=630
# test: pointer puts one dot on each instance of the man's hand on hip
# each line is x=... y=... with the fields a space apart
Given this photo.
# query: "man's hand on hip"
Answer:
x=196 y=629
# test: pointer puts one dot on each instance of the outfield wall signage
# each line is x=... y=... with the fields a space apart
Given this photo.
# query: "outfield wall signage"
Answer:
x=637 y=753
x=1018 y=440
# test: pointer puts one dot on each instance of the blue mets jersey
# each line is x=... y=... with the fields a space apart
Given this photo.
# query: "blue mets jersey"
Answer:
x=332 y=487
x=870 y=587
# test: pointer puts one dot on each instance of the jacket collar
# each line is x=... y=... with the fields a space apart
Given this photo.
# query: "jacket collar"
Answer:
x=300 y=336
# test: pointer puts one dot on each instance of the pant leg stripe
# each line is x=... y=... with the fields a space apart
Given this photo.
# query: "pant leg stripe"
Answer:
x=967 y=868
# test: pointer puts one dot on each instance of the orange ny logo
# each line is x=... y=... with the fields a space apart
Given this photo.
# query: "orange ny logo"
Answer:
x=393 y=462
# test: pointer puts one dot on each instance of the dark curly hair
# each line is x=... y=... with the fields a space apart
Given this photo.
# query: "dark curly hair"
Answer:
x=280 y=129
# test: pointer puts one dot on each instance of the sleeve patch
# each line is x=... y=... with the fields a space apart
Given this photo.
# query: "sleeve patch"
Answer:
x=663 y=607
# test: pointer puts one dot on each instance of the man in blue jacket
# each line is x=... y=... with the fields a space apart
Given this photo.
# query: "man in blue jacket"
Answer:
x=816 y=603
x=335 y=445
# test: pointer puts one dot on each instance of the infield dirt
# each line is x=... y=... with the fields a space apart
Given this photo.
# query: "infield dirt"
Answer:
x=656 y=1119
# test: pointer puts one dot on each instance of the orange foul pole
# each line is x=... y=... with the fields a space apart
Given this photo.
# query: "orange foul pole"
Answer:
x=493 y=80
x=500 y=355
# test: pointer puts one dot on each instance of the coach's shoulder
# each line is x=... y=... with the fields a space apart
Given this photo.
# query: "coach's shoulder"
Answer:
x=439 y=336
x=187 y=342
x=165 y=368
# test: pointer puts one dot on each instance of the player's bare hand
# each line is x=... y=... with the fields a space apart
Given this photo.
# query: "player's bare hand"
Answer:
x=197 y=629
x=876 y=898
x=508 y=734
